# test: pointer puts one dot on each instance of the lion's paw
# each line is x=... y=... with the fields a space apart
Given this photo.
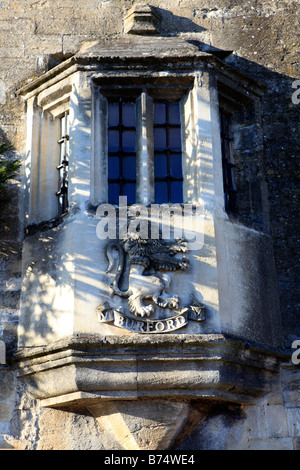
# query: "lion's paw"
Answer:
x=173 y=301
x=146 y=311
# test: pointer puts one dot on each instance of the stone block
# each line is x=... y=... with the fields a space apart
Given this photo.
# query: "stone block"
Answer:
x=267 y=421
x=297 y=444
x=283 y=443
x=291 y=385
x=224 y=427
x=293 y=420
x=17 y=26
x=141 y=19
x=142 y=425
x=275 y=421
x=46 y=44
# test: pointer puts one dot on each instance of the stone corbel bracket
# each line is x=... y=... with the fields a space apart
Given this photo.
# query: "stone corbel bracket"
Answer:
x=81 y=371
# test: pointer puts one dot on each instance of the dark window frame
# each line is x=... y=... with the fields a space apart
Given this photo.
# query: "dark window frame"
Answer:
x=168 y=151
x=121 y=154
x=133 y=94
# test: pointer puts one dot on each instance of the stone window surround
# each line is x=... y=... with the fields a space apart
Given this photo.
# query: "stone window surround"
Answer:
x=144 y=94
x=200 y=94
x=202 y=87
x=44 y=113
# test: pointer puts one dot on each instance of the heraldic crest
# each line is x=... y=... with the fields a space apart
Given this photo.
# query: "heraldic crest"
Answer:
x=147 y=267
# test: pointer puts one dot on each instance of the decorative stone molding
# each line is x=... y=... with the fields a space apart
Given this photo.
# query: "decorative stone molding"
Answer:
x=149 y=392
x=141 y=19
x=85 y=370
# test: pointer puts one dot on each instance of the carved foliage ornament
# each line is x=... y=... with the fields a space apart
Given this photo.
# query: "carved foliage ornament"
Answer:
x=147 y=266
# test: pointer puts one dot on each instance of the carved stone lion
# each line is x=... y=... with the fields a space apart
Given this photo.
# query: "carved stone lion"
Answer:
x=146 y=257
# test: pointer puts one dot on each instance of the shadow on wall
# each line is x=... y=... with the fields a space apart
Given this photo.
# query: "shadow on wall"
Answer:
x=172 y=23
x=281 y=139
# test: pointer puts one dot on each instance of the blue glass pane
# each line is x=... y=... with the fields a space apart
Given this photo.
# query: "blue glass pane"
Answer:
x=113 y=167
x=113 y=141
x=160 y=165
x=175 y=139
x=161 y=192
x=113 y=193
x=129 y=190
x=159 y=113
x=128 y=138
x=176 y=165
x=129 y=167
x=129 y=114
x=160 y=139
x=174 y=113
x=176 y=191
x=113 y=114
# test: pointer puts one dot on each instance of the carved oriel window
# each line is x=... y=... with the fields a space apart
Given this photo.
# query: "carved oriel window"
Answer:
x=150 y=122
x=144 y=122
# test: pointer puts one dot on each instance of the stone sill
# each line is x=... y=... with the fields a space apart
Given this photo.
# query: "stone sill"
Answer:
x=79 y=371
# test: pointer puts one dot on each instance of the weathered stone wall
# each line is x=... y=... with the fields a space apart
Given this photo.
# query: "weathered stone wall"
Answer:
x=264 y=38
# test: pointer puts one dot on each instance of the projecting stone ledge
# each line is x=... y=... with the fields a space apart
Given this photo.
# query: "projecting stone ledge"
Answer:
x=82 y=371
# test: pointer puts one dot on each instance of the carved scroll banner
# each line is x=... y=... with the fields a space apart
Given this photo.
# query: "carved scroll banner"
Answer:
x=123 y=320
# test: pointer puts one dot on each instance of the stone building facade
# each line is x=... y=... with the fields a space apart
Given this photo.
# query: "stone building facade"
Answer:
x=81 y=369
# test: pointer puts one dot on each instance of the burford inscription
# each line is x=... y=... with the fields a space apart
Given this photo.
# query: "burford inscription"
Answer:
x=144 y=326
x=150 y=265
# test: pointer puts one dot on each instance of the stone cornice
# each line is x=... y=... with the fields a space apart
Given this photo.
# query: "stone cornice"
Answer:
x=83 y=370
x=131 y=54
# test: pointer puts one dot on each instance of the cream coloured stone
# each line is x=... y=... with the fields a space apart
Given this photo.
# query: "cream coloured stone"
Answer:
x=143 y=425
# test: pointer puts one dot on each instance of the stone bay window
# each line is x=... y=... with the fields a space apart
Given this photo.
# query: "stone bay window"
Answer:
x=116 y=326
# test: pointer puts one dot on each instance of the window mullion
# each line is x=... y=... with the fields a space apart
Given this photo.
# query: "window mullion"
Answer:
x=145 y=176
